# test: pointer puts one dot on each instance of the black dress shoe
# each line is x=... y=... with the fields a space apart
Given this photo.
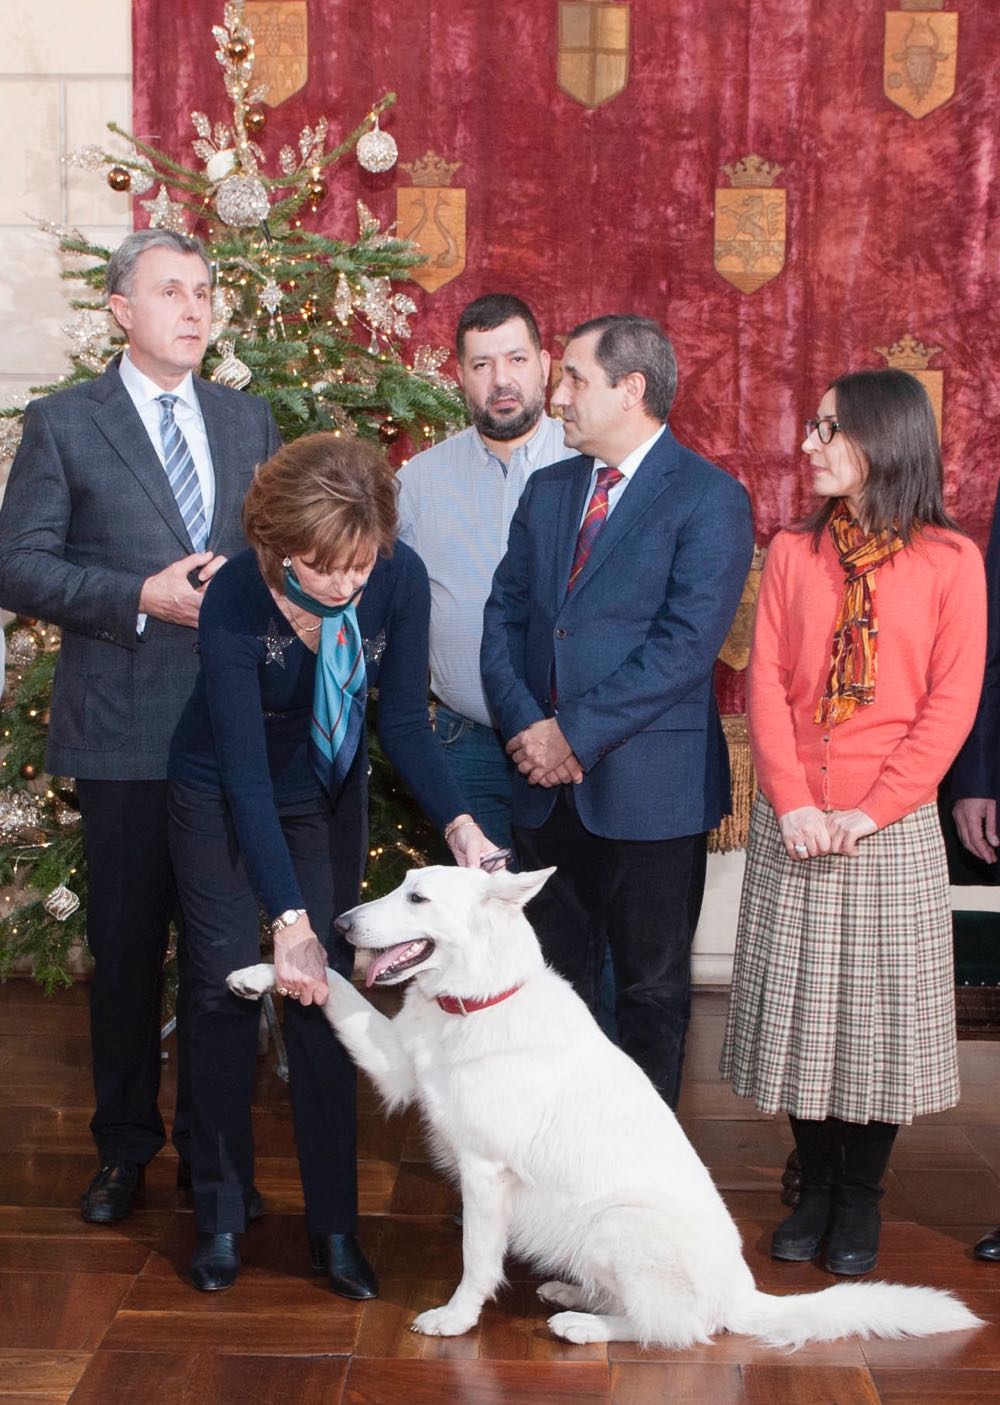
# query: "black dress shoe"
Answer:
x=216 y=1262
x=988 y=1248
x=341 y=1258
x=110 y=1195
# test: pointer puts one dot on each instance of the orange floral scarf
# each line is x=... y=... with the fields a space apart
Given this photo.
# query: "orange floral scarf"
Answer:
x=854 y=659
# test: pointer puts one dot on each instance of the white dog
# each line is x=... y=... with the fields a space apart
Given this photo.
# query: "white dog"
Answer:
x=564 y=1151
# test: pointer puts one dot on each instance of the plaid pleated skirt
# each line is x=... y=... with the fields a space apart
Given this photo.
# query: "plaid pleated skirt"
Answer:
x=843 y=994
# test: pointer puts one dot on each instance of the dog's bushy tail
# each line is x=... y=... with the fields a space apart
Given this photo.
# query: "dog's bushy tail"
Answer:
x=847 y=1310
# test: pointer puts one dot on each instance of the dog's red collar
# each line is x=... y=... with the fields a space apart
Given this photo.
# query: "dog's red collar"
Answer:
x=455 y=1005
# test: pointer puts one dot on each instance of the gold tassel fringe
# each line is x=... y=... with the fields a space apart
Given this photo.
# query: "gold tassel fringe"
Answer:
x=733 y=831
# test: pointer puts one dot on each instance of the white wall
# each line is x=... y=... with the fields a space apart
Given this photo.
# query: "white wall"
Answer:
x=65 y=71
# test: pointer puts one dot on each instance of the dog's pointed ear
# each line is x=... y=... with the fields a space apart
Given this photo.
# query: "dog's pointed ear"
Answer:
x=518 y=888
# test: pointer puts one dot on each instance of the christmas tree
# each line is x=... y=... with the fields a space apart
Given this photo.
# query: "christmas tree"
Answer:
x=311 y=322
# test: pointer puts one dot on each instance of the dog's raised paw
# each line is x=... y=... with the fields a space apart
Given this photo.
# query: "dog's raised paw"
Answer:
x=442 y=1322
x=562 y=1294
x=252 y=981
x=579 y=1327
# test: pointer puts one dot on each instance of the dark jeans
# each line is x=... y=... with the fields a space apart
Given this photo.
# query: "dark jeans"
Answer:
x=131 y=900
x=222 y=934
x=641 y=896
x=481 y=768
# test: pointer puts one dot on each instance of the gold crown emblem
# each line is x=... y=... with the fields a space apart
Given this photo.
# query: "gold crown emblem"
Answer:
x=908 y=354
x=431 y=169
x=753 y=170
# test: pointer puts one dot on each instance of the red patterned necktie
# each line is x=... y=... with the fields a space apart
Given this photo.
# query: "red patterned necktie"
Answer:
x=593 y=520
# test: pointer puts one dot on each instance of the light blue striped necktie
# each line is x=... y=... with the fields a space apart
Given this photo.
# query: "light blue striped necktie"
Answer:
x=181 y=473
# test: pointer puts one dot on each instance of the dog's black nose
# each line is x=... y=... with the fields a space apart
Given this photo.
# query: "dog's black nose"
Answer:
x=343 y=925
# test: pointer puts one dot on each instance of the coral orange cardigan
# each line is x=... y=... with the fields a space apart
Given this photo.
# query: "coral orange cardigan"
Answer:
x=888 y=758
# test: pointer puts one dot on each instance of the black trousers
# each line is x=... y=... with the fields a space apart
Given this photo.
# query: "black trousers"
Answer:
x=643 y=897
x=222 y=933
x=130 y=903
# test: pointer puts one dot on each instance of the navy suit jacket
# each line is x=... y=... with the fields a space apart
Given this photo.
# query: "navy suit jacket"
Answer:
x=88 y=515
x=632 y=649
x=975 y=772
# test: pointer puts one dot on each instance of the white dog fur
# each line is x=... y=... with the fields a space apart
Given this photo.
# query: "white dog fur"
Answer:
x=564 y=1151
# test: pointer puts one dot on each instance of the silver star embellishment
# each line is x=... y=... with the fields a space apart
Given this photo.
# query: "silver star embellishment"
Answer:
x=165 y=213
x=275 y=644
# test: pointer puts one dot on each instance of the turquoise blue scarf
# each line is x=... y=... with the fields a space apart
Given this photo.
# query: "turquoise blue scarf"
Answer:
x=338 y=715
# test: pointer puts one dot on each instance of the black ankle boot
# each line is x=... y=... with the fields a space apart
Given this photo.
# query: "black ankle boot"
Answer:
x=852 y=1247
x=799 y=1236
x=342 y=1259
x=854 y=1232
x=817 y=1149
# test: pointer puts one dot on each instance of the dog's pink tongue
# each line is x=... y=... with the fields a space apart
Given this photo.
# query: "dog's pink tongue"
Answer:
x=384 y=959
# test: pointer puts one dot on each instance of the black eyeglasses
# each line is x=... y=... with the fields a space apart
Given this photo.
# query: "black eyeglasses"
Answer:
x=824 y=428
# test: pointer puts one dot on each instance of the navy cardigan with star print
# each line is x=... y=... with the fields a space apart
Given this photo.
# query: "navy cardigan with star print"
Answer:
x=244 y=732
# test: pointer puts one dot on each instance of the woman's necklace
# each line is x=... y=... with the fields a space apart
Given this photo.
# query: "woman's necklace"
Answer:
x=297 y=623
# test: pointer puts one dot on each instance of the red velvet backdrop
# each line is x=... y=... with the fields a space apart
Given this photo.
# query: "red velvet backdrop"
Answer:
x=892 y=222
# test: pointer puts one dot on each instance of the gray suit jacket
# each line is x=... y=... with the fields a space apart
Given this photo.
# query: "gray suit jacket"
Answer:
x=88 y=515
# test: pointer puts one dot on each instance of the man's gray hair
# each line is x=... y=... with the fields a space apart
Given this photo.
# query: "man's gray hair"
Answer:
x=121 y=265
x=629 y=343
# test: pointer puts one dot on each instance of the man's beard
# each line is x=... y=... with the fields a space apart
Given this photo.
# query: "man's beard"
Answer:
x=509 y=426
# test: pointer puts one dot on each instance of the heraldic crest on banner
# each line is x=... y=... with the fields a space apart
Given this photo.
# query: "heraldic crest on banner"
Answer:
x=908 y=354
x=431 y=214
x=750 y=225
x=281 y=46
x=921 y=49
x=593 y=50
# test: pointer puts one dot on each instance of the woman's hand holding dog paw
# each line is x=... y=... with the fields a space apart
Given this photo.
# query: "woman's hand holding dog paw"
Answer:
x=300 y=964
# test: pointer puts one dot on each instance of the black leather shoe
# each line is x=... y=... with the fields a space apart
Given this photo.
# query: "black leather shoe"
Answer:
x=111 y=1194
x=341 y=1258
x=798 y=1238
x=852 y=1247
x=988 y=1248
x=216 y=1262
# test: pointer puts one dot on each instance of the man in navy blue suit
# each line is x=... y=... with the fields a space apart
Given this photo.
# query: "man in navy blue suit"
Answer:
x=623 y=571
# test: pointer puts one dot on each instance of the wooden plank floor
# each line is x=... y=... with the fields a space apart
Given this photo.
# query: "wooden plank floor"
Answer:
x=99 y=1316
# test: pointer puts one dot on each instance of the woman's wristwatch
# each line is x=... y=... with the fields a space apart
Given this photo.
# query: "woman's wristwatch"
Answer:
x=288 y=918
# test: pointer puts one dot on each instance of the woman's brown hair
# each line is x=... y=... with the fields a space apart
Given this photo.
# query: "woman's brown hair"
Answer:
x=887 y=419
x=322 y=497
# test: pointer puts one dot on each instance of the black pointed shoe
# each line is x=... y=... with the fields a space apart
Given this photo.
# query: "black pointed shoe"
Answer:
x=216 y=1263
x=342 y=1259
x=797 y=1238
x=110 y=1197
x=988 y=1248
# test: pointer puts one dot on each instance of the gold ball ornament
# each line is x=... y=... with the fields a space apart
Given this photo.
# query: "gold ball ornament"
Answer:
x=256 y=121
x=28 y=771
x=316 y=192
x=119 y=178
x=237 y=49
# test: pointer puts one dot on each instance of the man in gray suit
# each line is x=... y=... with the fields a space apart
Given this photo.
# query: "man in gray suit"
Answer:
x=123 y=501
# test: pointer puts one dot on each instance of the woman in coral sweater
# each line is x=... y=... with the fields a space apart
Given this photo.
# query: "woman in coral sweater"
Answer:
x=866 y=669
